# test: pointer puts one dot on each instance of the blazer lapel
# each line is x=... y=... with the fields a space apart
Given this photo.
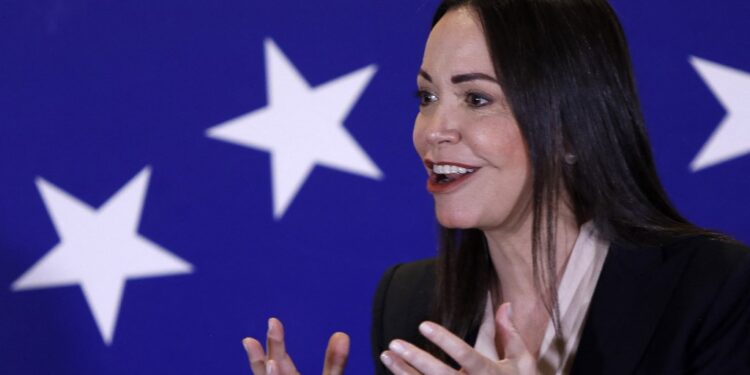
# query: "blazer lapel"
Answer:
x=631 y=294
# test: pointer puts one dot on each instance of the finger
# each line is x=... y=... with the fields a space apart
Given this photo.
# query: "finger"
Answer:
x=337 y=353
x=419 y=359
x=513 y=343
x=272 y=368
x=277 y=348
x=396 y=365
x=255 y=355
x=275 y=340
x=466 y=356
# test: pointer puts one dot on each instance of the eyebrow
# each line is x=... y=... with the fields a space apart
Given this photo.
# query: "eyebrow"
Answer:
x=461 y=78
x=424 y=75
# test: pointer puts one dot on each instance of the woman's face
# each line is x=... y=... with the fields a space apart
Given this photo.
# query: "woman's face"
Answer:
x=465 y=133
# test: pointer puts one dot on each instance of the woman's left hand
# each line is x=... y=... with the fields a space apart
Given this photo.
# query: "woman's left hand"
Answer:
x=404 y=358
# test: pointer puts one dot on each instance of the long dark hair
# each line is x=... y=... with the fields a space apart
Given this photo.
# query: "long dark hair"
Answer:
x=565 y=69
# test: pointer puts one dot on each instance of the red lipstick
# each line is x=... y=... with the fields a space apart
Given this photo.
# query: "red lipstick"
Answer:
x=451 y=175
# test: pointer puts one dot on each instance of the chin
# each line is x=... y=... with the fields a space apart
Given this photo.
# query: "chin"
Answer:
x=455 y=219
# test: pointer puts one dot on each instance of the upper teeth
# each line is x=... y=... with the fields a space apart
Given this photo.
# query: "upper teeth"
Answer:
x=447 y=169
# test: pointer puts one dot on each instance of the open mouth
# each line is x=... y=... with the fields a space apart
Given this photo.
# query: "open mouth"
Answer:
x=443 y=175
x=446 y=173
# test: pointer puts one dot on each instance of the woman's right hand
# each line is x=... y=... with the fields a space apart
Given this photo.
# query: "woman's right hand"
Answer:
x=276 y=361
x=404 y=358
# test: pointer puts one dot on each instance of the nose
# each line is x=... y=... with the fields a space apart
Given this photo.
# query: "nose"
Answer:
x=441 y=128
x=440 y=136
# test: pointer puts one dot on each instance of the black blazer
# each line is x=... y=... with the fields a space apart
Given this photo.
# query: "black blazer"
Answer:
x=682 y=308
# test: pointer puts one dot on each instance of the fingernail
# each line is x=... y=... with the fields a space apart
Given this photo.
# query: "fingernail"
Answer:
x=270 y=367
x=386 y=359
x=270 y=325
x=397 y=347
x=244 y=343
x=426 y=328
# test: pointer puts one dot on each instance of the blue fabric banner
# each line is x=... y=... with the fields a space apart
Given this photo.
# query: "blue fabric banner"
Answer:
x=173 y=173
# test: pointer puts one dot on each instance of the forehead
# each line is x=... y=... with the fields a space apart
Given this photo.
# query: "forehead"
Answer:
x=457 y=45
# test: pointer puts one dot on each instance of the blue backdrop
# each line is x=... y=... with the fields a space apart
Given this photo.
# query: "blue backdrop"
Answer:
x=172 y=173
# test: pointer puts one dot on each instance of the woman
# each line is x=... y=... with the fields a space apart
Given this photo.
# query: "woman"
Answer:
x=560 y=252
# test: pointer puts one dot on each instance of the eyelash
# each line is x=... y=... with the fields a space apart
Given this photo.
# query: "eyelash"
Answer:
x=472 y=96
x=425 y=98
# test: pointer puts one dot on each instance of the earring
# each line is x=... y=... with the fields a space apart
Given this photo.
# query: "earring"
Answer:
x=570 y=158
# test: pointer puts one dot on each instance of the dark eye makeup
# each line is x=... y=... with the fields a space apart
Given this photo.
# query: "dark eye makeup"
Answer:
x=474 y=99
x=425 y=97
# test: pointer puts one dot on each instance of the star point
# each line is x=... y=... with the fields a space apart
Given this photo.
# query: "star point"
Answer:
x=731 y=139
x=99 y=249
x=301 y=127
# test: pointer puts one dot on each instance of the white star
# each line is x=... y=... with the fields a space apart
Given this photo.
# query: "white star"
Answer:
x=301 y=127
x=731 y=139
x=99 y=249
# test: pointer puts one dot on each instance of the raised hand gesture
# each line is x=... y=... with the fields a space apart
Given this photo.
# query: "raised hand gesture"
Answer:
x=403 y=358
x=276 y=360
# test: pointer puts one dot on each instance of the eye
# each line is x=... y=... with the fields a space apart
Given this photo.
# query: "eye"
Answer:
x=425 y=97
x=477 y=100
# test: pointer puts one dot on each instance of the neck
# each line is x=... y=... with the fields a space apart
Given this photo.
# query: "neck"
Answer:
x=510 y=251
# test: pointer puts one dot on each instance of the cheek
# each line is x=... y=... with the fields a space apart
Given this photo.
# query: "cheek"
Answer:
x=501 y=144
x=493 y=136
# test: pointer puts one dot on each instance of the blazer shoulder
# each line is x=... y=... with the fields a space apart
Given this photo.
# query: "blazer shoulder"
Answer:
x=405 y=280
x=671 y=308
x=710 y=258
x=716 y=287
x=708 y=243
x=402 y=300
